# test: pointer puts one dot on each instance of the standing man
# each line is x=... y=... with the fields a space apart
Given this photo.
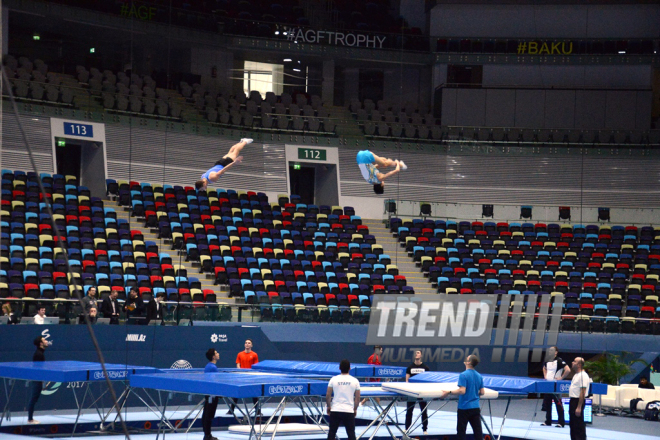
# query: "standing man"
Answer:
x=245 y=359
x=41 y=314
x=554 y=369
x=90 y=299
x=38 y=356
x=578 y=392
x=369 y=165
x=210 y=402
x=415 y=368
x=228 y=160
x=134 y=306
x=342 y=400
x=374 y=359
x=470 y=387
x=110 y=307
x=155 y=308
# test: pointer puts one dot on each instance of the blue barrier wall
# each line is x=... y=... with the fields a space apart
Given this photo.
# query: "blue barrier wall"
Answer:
x=163 y=347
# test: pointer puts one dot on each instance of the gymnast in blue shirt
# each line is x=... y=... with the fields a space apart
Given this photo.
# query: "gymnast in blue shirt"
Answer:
x=210 y=403
x=228 y=160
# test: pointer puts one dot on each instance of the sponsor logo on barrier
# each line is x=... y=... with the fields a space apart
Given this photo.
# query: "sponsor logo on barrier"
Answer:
x=335 y=38
x=134 y=337
x=389 y=371
x=51 y=388
x=563 y=387
x=181 y=365
x=285 y=389
x=218 y=338
x=112 y=374
x=462 y=321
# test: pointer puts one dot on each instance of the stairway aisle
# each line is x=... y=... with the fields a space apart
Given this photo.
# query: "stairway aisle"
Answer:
x=178 y=257
x=400 y=258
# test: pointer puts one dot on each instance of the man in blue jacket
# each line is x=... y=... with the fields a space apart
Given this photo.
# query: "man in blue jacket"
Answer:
x=470 y=387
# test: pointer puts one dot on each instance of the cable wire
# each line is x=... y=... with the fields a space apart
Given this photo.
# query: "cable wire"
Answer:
x=56 y=229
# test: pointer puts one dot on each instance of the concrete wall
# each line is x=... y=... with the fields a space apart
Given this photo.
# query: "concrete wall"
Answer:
x=545 y=21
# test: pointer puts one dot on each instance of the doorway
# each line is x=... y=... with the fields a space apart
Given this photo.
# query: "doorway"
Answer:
x=302 y=182
x=83 y=159
x=68 y=158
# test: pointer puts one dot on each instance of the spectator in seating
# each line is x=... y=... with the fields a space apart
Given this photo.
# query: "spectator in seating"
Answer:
x=369 y=164
x=6 y=311
x=93 y=316
x=155 y=308
x=644 y=383
x=134 y=306
x=227 y=161
x=110 y=307
x=91 y=299
x=41 y=314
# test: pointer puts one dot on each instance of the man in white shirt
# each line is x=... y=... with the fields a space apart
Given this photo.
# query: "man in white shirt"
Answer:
x=342 y=399
x=578 y=392
x=41 y=314
x=554 y=369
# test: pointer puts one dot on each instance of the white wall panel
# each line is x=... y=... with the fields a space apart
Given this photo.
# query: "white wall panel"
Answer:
x=529 y=108
x=471 y=107
x=500 y=107
x=590 y=109
x=449 y=101
x=559 y=109
x=620 y=110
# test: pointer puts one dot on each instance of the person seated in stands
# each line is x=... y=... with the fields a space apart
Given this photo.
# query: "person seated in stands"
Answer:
x=41 y=314
x=134 y=306
x=155 y=308
x=221 y=166
x=92 y=313
x=6 y=311
x=644 y=383
x=369 y=165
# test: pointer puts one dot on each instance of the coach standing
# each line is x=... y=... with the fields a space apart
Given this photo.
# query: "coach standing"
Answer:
x=554 y=369
x=37 y=386
x=578 y=392
x=210 y=402
x=414 y=369
x=470 y=387
x=342 y=399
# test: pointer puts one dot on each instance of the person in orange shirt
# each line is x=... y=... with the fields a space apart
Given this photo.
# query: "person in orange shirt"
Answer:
x=245 y=359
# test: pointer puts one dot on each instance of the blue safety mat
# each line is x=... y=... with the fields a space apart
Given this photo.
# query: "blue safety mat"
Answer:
x=233 y=385
x=501 y=384
x=68 y=371
x=329 y=368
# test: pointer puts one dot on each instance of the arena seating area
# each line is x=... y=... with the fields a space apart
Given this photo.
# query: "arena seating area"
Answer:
x=312 y=263
x=608 y=275
x=139 y=95
x=273 y=254
x=393 y=120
